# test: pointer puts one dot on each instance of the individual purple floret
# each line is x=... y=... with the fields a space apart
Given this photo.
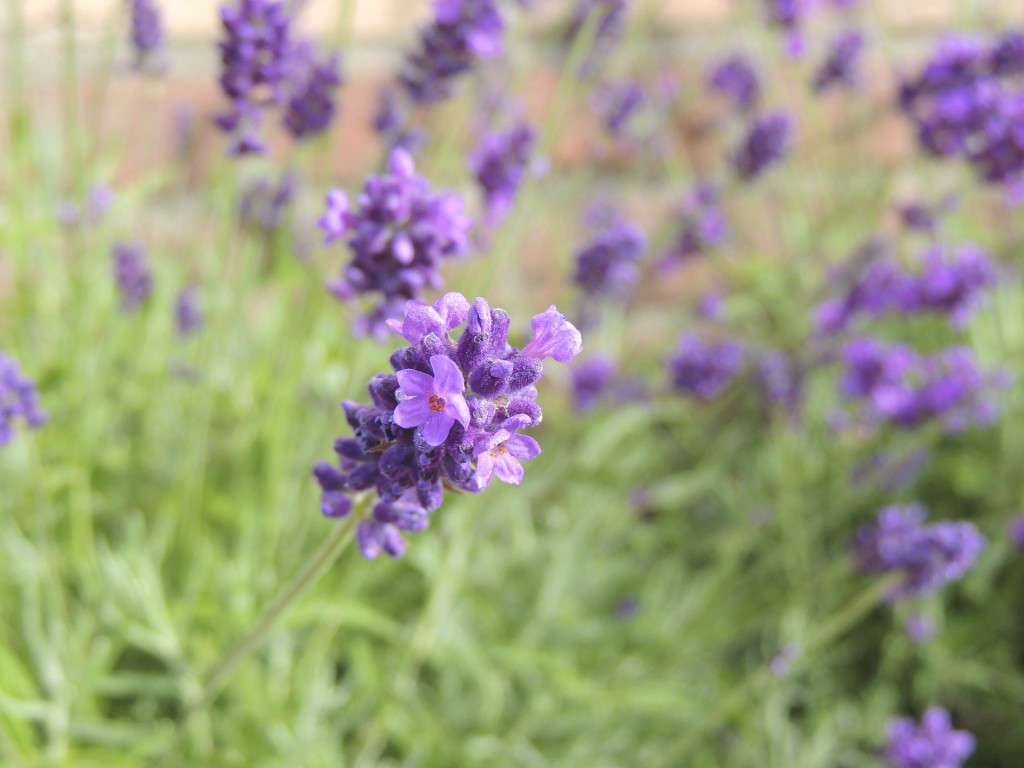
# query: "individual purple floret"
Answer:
x=462 y=33
x=893 y=384
x=968 y=101
x=451 y=416
x=932 y=744
x=19 y=400
x=702 y=226
x=839 y=69
x=919 y=628
x=147 y=33
x=188 y=312
x=782 y=662
x=872 y=284
x=311 y=105
x=499 y=164
x=787 y=16
x=926 y=218
x=398 y=237
x=608 y=265
x=926 y=556
x=133 y=275
x=954 y=282
x=591 y=379
x=765 y=144
x=255 y=63
x=736 y=78
x=704 y=369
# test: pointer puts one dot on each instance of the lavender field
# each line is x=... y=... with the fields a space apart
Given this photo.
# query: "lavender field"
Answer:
x=541 y=384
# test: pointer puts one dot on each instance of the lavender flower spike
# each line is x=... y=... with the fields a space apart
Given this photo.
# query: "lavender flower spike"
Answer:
x=18 y=400
x=147 y=32
x=766 y=143
x=311 y=106
x=133 y=275
x=435 y=402
x=554 y=337
x=499 y=164
x=450 y=417
x=932 y=744
x=736 y=78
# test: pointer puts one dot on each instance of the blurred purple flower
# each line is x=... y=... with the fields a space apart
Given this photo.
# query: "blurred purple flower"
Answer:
x=591 y=379
x=702 y=226
x=19 y=400
x=610 y=22
x=766 y=143
x=398 y=238
x=926 y=556
x=99 y=199
x=919 y=628
x=188 y=312
x=617 y=104
x=839 y=69
x=147 y=34
x=1015 y=532
x=608 y=265
x=704 y=369
x=932 y=744
x=311 y=105
x=736 y=78
x=463 y=32
x=255 y=61
x=499 y=164
x=133 y=275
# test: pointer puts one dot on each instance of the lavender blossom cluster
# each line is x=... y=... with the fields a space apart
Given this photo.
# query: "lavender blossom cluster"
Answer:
x=450 y=416
x=736 y=78
x=499 y=164
x=147 y=34
x=767 y=141
x=932 y=744
x=607 y=266
x=704 y=369
x=840 y=67
x=132 y=274
x=19 y=400
x=926 y=557
x=462 y=33
x=398 y=237
x=893 y=384
x=967 y=101
x=702 y=226
x=950 y=281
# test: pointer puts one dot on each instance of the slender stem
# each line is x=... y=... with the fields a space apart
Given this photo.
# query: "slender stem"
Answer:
x=310 y=573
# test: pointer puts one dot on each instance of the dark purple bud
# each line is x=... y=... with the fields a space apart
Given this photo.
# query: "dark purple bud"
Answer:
x=526 y=408
x=525 y=371
x=329 y=476
x=382 y=390
x=491 y=379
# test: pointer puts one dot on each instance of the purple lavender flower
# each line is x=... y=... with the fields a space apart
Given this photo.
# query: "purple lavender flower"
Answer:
x=736 y=78
x=398 y=238
x=451 y=416
x=254 y=65
x=954 y=282
x=926 y=556
x=590 y=380
x=98 y=201
x=782 y=662
x=766 y=143
x=702 y=226
x=787 y=16
x=783 y=379
x=607 y=265
x=968 y=101
x=147 y=33
x=19 y=400
x=704 y=369
x=893 y=384
x=311 y=106
x=133 y=275
x=463 y=32
x=391 y=123
x=932 y=744
x=839 y=69
x=872 y=284
x=499 y=163
x=925 y=218
x=264 y=204
x=188 y=312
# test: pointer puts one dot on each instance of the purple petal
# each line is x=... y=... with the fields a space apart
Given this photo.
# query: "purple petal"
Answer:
x=523 y=447
x=453 y=309
x=438 y=425
x=484 y=470
x=458 y=408
x=508 y=469
x=415 y=383
x=413 y=412
x=554 y=337
x=448 y=379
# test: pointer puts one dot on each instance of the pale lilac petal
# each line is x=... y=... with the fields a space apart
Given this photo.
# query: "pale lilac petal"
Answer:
x=508 y=469
x=438 y=425
x=523 y=447
x=415 y=383
x=457 y=407
x=554 y=337
x=401 y=163
x=484 y=470
x=453 y=309
x=447 y=11
x=413 y=412
x=448 y=379
x=491 y=441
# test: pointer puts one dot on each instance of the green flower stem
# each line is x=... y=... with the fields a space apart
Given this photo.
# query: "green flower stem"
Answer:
x=310 y=573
